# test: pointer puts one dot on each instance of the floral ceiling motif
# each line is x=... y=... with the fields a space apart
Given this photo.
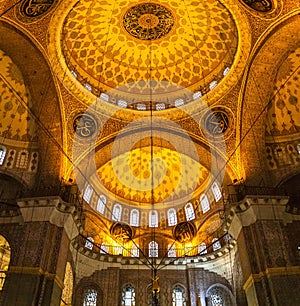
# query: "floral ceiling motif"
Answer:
x=284 y=108
x=107 y=45
x=16 y=122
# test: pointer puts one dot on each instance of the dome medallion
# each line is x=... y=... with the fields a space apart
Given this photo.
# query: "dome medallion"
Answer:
x=148 y=21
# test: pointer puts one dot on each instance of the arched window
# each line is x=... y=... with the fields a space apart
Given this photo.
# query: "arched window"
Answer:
x=89 y=243
x=153 y=249
x=216 y=244
x=216 y=191
x=4 y=259
x=90 y=298
x=128 y=296
x=171 y=250
x=178 y=296
x=219 y=295
x=117 y=212
x=88 y=193
x=153 y=218
x=134 y=217
x=66 y=298
x=135 y=252
x=2 y=154
x=213 y=84
x=172 y=217
x=104 y=248
x=202 y=248
x=204 y=203
x=22 y=160
x=101 y=203
x=189 y=212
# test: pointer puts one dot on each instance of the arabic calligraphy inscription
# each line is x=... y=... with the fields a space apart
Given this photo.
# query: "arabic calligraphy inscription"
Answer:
x=184 y=232
x=259 y=5
x=34 y=8
x=217 y=123
x=84 y=125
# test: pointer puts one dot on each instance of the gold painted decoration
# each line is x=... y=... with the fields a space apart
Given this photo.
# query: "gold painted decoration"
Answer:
x=112 y=45
x=148 y=21
x=122 y=232
x=259 y=5
x=130 y=178
x=217 y=123
x=16 y=122
x=184 y=232
x=84 y=125
x=284 y=108
x=35 y=8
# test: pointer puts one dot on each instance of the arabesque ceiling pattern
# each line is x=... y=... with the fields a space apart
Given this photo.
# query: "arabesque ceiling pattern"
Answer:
x=284 y=111
x=130 y=178
x=110 y=44
x=16 y=123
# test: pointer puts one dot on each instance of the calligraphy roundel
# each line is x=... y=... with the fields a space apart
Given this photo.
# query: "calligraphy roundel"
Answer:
x=84 y=125
x=184 y=232
x=36 y=8
x=122 y=232
x=217 y=122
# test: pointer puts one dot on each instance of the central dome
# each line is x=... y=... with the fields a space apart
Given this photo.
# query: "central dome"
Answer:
x=127 y=48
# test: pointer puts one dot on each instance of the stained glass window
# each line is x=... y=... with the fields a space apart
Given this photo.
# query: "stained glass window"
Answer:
x=171 y=250
x=153 y=218
x=153 y=249
x=178 y=296
x=216 y=244
x=172 y=217
x=116 y=213
x=135 y=251
x=189 y=211
x=204 y=203
x=89 y=243
x=202 y=248
x=134 y=217
x=216 y=296
x=2 y=154
x=104 y=248
x=101 y=203
x=90 y=298
x=128 y=296
x=88 y=193
x=216 y=191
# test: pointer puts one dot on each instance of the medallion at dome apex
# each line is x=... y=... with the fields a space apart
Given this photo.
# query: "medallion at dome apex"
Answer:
x=148 y=21
x=111 y=45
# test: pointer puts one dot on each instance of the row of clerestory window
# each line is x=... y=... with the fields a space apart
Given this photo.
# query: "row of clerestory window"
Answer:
x=153 y=248
x=129 y=296
x=134 y=219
